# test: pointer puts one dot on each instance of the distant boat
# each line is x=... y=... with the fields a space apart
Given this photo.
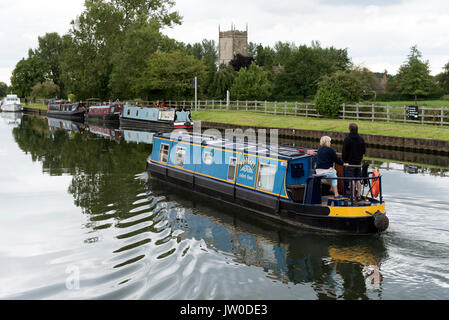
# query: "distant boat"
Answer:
x=66 y=110
x=11 y=103
x=155 y=117
x=104 y=112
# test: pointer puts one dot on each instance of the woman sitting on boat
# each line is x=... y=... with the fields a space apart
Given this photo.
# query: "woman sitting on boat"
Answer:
x=326 y=157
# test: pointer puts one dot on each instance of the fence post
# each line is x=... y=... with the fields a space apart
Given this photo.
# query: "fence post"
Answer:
x=441 y=114
x=265 y=106
x=422 y=115
x=344 y=111
x=246 y=105
x=213 y=104
x=237 y=105
x=285 y=108
x=307 y=110
x=405 y=111
x=372 y=112
x=255 y=105
x=275 y=107
x=296 y=108
x=388 y=113
x=357 y=110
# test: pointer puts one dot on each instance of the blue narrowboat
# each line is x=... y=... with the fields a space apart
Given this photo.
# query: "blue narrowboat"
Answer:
x=277 y=181
x=104 y=113
x=155 y=117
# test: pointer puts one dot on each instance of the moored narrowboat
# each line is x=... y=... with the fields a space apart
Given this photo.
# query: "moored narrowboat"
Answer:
x=104 y=112
x=66 y=110
x=155 y=117
x=276 y=181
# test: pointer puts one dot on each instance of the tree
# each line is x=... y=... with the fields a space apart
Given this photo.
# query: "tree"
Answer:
x=240 y=61
x=367 y=80
x=50 y=50
x=414 y=76
x=341 y=87
x=304 y=69
x=130 y=58
x=443 y=78
x=46 y=89
x=223 y=80
x=265 y=57
x=99 y=32
x=3 y=89
x=251 y=84
x=283 y=52
x=27 y=73
x=169 y=75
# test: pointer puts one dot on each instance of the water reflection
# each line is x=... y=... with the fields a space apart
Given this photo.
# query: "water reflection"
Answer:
x=55 y=124
x=11 y=118
x=142 y=238
x=337 y=267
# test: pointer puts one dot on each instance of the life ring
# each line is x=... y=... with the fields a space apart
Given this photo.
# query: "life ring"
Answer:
x=375 y=187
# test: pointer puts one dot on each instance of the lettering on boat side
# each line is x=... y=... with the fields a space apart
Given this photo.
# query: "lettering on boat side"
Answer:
x=225 y=310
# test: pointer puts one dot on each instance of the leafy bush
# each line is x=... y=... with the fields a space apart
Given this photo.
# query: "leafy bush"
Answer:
x=251 y=84
x=328 y=102
x=341 y=87
x=46 y=89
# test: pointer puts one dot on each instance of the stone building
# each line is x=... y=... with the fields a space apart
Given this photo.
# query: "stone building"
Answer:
x=230 y=43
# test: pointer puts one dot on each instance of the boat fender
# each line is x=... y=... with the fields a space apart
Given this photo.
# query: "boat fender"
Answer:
x=381 y=221
x=187 y=124
x=375 y=187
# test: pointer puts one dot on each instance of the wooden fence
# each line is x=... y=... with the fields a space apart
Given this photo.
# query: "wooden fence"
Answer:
x=426 y=115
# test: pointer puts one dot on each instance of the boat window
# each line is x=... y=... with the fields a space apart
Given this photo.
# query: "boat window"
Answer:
x=265 y=178
x=231 y=168
x=129 y=112
x=137 y=113
x=180 y=156
x=207 y=157
x=163 y=154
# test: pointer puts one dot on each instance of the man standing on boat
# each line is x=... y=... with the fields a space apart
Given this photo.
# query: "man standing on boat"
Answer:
x=352 y=154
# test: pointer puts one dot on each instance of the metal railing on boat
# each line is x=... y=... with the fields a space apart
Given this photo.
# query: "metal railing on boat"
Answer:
x=314 y=182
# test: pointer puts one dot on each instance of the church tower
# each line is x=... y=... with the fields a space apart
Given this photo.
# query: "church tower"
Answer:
x=230 y=43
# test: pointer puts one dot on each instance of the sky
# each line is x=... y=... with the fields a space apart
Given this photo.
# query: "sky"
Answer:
x=377 y=34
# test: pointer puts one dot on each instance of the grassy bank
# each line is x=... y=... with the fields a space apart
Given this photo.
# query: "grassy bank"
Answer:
x=378 y=127
x=35 y=106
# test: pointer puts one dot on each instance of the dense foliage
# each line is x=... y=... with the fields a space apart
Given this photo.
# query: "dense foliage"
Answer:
x=340 y=87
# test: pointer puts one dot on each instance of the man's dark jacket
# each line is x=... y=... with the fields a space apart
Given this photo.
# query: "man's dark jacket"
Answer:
x=353 y=149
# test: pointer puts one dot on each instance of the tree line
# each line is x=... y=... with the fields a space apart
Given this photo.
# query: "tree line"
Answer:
x=117 y=50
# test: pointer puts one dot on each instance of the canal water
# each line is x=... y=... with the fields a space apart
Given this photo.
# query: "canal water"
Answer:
x=80 y=219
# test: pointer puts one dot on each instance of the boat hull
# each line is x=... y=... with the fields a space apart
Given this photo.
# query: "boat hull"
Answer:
x=148 y=124
x=104 y=117
x=295 y=214
x=11 y=107
x=72 y=115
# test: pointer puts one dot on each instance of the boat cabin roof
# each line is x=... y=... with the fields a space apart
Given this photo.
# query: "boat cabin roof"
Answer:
x=102 y=106
x=237 y=144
